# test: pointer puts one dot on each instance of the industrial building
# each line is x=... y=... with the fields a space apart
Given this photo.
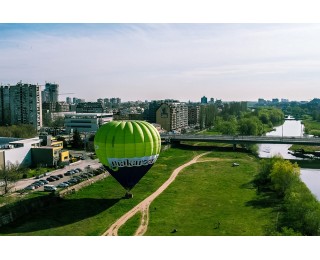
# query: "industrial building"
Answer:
x=86 y=122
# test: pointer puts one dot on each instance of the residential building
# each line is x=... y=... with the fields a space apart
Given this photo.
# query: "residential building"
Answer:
x=86 y=122
x=89 y=107
x=62 y=106
x=193 y=115
x=151 y=111
x=172 y=116
x=50 y=93
x=25 y=105
x=4 y=105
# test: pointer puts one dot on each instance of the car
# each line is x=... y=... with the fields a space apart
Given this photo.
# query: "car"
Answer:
x=50 y=179
x=60 y=176
x=55 y=177
x=38 y=183
x=235 y=164
x=49 y=188
x=44 y=181
x=68 y=173
x=73 y=181
x=62 y=185
x=30 y=187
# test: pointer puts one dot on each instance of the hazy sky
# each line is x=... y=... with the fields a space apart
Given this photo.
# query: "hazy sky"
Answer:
x=158 y=61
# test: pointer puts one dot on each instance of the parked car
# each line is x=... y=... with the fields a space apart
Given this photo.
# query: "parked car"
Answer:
x=60 y=176
x=50 y=179
x=55 y=177
x=49 y=188
x=62 y=185
x=44 y=181
x=30 y=187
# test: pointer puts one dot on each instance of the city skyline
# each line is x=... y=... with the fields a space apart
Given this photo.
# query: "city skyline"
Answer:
x=232 y=62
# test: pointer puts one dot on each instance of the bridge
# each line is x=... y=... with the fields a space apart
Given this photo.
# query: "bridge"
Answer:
x=177 y=138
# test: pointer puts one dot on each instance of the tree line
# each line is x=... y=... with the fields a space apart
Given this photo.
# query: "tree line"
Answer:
x=299 y=210
x=18 y=131
x=235 y=118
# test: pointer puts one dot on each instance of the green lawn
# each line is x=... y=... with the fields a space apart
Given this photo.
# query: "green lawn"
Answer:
x=203 y=195
x=93 y=209
x=209 y=193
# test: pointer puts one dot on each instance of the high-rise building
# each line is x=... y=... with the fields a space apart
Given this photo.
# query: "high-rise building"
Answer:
x=68 y=100
x=204 y=100
x=50 y=93
x=25 y=105
x=4 y=105
x=193 y=115
x=172 y=116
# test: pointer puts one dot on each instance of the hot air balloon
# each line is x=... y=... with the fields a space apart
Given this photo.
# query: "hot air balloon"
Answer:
x=127 y=149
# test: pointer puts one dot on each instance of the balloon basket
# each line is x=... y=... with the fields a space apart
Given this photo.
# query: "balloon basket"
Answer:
x=128 y=195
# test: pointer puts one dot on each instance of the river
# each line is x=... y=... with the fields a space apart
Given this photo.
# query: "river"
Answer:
x=311 y=177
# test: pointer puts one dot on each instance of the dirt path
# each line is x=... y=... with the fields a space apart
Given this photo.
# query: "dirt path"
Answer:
x=143 y=206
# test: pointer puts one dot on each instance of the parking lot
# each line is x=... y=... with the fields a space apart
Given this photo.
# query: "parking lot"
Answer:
x=70 y=175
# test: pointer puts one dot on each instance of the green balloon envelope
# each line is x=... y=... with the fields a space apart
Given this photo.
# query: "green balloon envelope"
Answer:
x=128 y=149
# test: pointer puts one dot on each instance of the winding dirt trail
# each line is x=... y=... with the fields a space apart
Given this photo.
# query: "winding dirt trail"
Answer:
x=143 y=206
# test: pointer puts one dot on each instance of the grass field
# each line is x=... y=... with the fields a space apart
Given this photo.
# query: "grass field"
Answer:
x=93 y=209
x=203 y=195
x=212 y=198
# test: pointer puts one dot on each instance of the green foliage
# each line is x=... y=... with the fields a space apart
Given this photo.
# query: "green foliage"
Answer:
x=250 y=126
x=77 y=140
x=9 y=174
x=226 y=127
x=207 y=116
x=300 y=209
x=283 y=174
x=315 y=132
x=18 y=131
x=58 y=122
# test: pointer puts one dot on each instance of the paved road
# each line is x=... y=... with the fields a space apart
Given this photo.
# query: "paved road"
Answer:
x=94 y=164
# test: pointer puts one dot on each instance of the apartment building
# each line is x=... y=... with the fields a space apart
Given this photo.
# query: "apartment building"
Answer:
x=89 y=107
x=21 y=104
x=172 y=116
x=193 y=115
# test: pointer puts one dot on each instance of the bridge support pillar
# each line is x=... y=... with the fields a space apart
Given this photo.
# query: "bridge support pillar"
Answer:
x=234 y=147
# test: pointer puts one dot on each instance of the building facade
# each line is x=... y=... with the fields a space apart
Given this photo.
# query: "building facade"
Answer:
x=50 y=93
x=204 y=100
x=21 y=104
x=4 y=105
x=18 y=152
x=89 y=107
x=86 y=122
x=172 y=116
x=193 y=115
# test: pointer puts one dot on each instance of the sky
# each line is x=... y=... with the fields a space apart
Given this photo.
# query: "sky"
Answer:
x=184 y=61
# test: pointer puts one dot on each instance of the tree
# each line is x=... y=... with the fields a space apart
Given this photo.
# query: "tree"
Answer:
x=58 y=122
x=283 y=175
x=8 y=175
x=77 y=141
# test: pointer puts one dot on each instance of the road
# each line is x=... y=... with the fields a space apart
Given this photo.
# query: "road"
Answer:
x=94 y=164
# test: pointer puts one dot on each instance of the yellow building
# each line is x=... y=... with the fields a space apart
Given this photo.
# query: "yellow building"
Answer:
x=51 y=155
